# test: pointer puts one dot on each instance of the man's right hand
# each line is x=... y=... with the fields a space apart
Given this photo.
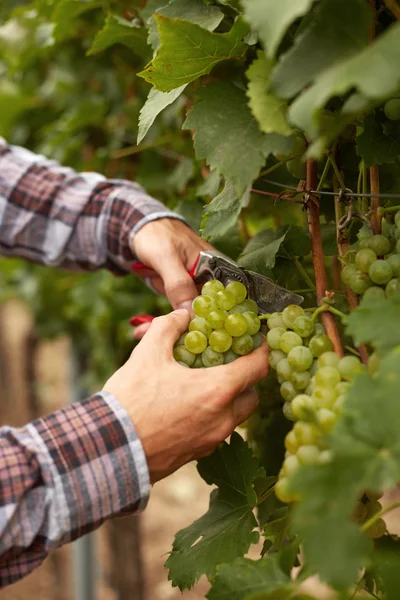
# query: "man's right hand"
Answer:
x=182 y=414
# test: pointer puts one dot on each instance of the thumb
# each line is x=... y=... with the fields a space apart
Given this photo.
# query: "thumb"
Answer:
x=165 y=331
x=179 y=286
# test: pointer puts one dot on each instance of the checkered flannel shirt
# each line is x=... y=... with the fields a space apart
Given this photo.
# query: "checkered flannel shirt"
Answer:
x=62 y=475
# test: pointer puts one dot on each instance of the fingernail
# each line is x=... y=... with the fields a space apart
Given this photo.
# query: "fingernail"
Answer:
x=187 y=305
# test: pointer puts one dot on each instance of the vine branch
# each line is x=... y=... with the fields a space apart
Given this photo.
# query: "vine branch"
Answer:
x=313 y=212
x=375 y=201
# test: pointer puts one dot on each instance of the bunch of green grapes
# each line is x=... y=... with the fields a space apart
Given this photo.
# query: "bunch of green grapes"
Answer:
x=226 y=326
x=376 y=268
x=369 y=506
x=313 y=381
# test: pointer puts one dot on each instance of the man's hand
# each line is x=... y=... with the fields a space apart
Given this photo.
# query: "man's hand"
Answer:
x=170 y=248
x=182 y=414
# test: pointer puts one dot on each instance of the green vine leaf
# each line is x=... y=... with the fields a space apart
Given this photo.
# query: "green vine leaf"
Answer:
x=228 y=140
x=118 y=30
x=188 y=51
x=227 y=529
x=316 y=46
x=245 y=579
x=66 y=11
x=195 y=11
x=154 y=105
x=379 y=142
x=372 y=72
x=268 y=109
x=223 y=212
x=372 y=323
x=271 y=19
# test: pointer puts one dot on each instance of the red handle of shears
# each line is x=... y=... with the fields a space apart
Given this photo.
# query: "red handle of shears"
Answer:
x=143 y=271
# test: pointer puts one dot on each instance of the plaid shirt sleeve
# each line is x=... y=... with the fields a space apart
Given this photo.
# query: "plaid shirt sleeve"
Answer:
x=63 y=475
x=52 y=215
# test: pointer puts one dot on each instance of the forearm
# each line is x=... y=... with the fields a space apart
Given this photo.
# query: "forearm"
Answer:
x=52 y=215
x=62 y=476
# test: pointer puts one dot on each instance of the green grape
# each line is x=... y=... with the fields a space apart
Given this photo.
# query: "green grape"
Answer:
x=349 y=366
x=242 y=345
x=302 y=407
x=325 y=457
x=291 y=442
x=288 y=391
x=217 y=318
x=203 y=305
x=364 y=259
x=211 y=358
x=275 y=320
x=392 y=109
x=225 y=300
x=359 y=512
x=290 y=465
x=229 y=357
x=287 y=412
x=377 y=529
x=360 y=283
x=373 y=495
x=324 y=397
x=306 y=433
x=275 y=356
x=348 y=273
x=300 y=379
x=398 y=247
x=181 y=341
x=380 y=272
x=196 y=342
x=212 y=287
x=198 y=363
x=326 y=419
x=289 y=340
x=300 y=358
x=220 y=340
x=392 y=287
x=291 y=313
x=338 y=404
x=373 y=363
x=200 y=324
x=308 y=455
x=319 y=329
x=284 y=370
x=379 y=244
x=328 y=359
x=183 y=364
x=182 y=354
x=373 y=508
x=238 y=309
x=282 y=491
x=397 y=219
x=394 y=262
x=236 y=325
x=320 y=344
x=362 y=244
x=238 y=290
x=274 y=337
x=342 y=387
x=249 y=305
x=374 y=292
x=328 y=376
x=303 y=326
x=257 y=338
x=253 y=322
x=314 y=367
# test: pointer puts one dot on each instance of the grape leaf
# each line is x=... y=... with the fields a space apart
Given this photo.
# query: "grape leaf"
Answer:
x=271 y=19
x=243 y=578
x=65 y=11
x=378 y=143
x=210 y=185
x=227 y=529
x=222 y=213
x=195 y=11
x=118 y=30
x=154 y=105
x=316 y=47
x=268 y=109
x=372 y=322
x=12 y=103
x=188 y=51
x=181 y=175
x=229 y=140
x=372 y=72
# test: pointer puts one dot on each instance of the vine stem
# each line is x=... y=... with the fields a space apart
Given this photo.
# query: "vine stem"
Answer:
x=327 y=308
x=277 y=165
x=380 y=514
x=304 y=273
x=375 y=201
x=314 y=227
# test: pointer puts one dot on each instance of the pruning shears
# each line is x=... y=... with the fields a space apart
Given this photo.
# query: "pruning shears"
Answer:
x=211 y=264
